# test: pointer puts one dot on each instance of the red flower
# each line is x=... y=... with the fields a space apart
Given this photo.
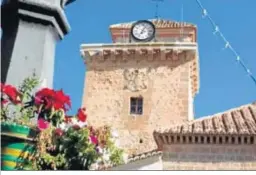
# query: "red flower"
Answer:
x=44 y=96
x=42 y=124
x=3 y=101
x=76 y=127
x=94 y=140
x=11 y=92
x=51 y=98
x=81 y=114
x=62 y=100
x=59 y=132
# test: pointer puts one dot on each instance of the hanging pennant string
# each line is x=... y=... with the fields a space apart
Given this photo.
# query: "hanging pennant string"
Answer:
x=227 y=43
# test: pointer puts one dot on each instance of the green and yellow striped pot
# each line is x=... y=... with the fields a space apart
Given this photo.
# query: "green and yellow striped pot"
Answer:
x=16 y=146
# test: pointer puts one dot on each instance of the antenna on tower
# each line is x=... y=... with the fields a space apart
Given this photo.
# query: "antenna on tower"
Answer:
x=156 y=11
x=182 y=20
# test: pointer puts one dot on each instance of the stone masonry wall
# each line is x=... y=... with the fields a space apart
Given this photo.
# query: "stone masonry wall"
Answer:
x=209 y=157
x=163 y=84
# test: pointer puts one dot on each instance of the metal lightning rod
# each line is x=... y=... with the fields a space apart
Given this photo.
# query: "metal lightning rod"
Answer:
x=156 y=11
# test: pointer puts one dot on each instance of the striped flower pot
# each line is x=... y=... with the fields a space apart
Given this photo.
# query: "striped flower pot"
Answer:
x=16 y=146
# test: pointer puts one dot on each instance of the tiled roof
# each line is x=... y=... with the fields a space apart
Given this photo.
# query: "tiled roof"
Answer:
x=144 y=155
x=159 y=23
x=137 y=157
x=241 y=120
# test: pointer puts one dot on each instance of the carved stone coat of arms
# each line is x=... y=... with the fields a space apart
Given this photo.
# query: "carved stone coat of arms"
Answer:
x=135 y=80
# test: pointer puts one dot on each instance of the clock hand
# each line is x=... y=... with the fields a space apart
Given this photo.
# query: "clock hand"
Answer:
x=142 y=30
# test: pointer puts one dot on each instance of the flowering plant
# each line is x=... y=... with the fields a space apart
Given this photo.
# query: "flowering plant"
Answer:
x=17 y=102
x=74 y=145
x=63 y=142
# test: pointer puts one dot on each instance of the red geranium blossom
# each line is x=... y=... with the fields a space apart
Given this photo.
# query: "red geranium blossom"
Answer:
x=11 y=92
x=3 y=101
x=59 y=132
x=42 y=124
x=76 y=127
x=62 y=100
x=94 y=140
x=81 y=115
x=44 y=96
x=51 y=98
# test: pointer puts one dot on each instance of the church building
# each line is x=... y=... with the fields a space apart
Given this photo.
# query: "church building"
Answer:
x=143 y=85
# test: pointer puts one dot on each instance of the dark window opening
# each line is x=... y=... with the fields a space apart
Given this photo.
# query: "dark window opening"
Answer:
x=136 y=106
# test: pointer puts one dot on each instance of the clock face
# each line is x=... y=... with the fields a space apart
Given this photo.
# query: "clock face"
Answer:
x=143 y=31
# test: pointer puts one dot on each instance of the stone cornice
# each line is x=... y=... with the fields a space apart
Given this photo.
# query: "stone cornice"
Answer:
x=228 y=139
x=42 y=11
x=171 y=51
x=113 y=51
x=173 y=45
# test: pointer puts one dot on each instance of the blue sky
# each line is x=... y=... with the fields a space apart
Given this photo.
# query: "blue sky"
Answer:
x=223 y=83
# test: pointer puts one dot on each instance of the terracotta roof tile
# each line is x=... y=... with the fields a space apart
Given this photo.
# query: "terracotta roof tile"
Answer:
x=133 y=158
x=186 y=128
x=249 y=120
x=229 y=124
x=208 y=126
x=218 y=124
x=241 y=120
x=198 y=127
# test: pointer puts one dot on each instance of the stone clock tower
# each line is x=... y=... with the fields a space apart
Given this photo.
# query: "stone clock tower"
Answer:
x=145 y=80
